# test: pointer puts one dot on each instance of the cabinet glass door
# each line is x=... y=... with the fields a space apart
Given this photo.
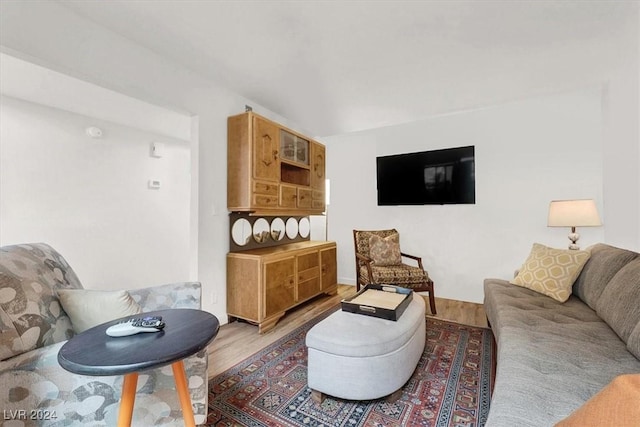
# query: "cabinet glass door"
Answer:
x=294 y=148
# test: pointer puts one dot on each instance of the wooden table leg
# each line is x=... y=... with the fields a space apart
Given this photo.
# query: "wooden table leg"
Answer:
x=129 y=387
x=183 y=393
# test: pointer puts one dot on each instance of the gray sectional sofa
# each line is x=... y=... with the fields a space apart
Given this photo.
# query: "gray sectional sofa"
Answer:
x=551 y=356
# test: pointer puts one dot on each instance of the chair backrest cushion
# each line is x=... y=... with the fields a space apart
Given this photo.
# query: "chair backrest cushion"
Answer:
x=362 y=238
x=30 y=313
x=385 y=250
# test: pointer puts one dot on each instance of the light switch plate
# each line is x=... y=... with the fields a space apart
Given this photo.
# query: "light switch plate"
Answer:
x=157 y=149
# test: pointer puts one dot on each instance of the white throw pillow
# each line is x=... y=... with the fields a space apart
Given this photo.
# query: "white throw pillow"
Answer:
x=89 y=308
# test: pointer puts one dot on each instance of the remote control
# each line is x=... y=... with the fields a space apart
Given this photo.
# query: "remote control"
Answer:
x=135 y=326
x=138 y=319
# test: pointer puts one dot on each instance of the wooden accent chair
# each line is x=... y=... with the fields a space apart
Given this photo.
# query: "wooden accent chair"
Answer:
x=378 y=260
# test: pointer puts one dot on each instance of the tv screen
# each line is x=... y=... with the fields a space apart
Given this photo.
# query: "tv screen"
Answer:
x=435 y=177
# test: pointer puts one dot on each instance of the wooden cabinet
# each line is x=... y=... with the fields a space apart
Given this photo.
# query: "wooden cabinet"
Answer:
x=271 y=169
x=262 y=284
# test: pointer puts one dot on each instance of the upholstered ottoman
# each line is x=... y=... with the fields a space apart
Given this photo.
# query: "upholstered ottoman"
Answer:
x=358 y=357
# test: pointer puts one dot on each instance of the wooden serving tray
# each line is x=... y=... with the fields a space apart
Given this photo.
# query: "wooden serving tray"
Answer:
x=383 y=301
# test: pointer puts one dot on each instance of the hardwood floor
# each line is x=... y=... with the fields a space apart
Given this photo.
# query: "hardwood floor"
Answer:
x=239 y=340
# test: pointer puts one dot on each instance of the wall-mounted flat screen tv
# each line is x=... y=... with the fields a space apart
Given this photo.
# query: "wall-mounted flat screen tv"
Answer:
x=437 y=177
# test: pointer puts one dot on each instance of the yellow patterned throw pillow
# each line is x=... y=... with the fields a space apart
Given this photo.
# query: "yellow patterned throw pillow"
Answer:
x=551 y=271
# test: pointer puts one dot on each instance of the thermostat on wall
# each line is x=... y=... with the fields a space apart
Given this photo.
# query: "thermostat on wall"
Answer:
x=154 y=183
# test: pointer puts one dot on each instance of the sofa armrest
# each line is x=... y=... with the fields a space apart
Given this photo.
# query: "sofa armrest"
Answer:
x=173 y=295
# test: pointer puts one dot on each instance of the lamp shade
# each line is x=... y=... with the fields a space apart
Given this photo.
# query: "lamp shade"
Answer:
x=573 y=213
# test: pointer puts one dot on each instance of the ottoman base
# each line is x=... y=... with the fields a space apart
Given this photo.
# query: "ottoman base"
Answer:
x=361 y=376
x=319 y=396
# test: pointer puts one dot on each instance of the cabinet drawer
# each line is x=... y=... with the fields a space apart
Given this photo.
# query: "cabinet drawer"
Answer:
x=304 y=198
x=261 y=200
x=308 y=288
x=318 y=195
x=267 y=188
x=308 y=261
x=288 y=196
x=317 y=204
x=310 y=273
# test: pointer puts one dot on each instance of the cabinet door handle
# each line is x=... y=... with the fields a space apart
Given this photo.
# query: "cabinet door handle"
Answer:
x=275 y=154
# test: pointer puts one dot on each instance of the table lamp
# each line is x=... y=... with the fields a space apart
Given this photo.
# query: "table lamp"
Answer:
x=573 y=213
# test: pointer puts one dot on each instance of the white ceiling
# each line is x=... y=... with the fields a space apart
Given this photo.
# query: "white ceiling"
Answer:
x=341 y=66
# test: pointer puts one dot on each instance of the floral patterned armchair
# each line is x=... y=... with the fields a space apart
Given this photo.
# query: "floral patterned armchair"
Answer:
x=36 y=390
x=379 y=260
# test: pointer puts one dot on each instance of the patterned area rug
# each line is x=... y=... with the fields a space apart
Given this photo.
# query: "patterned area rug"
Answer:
x=450 y=387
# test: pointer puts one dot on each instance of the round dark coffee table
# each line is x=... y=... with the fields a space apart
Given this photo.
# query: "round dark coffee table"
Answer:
x=93 y=352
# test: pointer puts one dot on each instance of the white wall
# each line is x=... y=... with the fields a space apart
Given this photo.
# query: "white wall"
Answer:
x=622 y=151
x=527 y=154
x=50 y=35
x=89 y=198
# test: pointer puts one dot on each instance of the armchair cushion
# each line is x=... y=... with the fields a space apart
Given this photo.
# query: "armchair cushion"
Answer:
x=89 y=308
x=34 y=379
x=385 y=250
x=402 y=275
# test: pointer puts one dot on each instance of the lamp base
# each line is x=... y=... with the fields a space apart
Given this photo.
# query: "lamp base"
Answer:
x=573 y=236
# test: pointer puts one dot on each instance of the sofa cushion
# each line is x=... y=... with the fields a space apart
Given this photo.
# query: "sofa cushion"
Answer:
x=633 y=344
x=29 y=275
x=604 y=263
x=89 y=308
x=619 y=304
x=551 y=271
x=615 y=405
